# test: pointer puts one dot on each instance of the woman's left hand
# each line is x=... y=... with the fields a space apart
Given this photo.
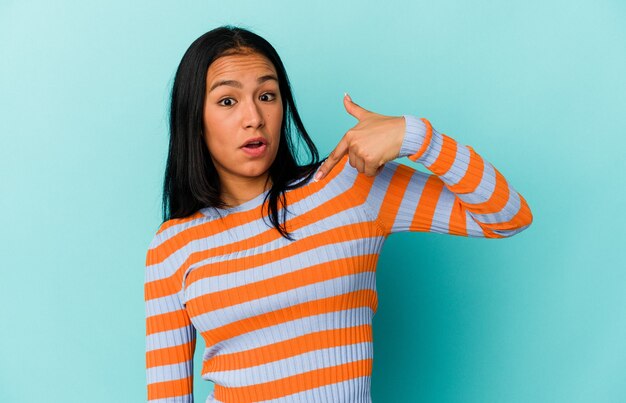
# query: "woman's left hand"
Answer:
x=375 y=140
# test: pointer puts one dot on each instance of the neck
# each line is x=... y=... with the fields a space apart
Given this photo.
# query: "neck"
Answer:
x=235 y=193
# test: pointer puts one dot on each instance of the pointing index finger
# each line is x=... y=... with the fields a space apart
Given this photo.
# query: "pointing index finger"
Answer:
x=332 y=160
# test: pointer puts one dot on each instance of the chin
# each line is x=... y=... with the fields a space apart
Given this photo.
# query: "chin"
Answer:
x=256 y=171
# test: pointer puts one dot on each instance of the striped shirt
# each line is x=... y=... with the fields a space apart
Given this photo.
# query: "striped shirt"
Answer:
x=291 y=321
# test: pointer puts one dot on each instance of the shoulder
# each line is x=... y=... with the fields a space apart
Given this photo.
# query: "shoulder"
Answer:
x=173 y=235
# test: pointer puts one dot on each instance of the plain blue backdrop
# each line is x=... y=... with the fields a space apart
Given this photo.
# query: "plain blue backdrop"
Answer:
x=538 y=88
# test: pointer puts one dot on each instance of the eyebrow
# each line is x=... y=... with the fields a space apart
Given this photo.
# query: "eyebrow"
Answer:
x=237 y=84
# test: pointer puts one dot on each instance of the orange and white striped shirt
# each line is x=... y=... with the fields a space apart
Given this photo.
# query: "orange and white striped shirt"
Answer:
x=291 y=321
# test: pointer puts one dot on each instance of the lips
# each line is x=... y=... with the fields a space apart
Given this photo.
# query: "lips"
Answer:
x=255 y=142
x=255 y=152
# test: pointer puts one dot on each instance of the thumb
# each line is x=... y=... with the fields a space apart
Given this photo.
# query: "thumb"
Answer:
x=354 y=109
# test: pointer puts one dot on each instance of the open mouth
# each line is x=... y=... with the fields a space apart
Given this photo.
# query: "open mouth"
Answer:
x=255 y=149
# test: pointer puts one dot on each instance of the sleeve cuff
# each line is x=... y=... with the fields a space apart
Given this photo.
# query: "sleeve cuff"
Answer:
x=416 y=137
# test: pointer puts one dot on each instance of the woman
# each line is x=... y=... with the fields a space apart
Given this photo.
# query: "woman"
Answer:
x=285 y=308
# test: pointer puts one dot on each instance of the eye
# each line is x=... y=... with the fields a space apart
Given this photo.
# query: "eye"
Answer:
x=224 y=99
x=271 y=94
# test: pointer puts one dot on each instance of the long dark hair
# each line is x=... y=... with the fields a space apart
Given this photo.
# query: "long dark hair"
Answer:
x=191 y=180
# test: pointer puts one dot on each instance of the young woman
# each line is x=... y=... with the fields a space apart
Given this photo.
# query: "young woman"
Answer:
x=285 y=307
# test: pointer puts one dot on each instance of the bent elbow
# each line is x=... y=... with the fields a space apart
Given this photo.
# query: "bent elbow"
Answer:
x=521 y=223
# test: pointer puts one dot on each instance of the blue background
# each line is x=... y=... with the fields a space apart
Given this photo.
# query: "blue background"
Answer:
x=538 y=88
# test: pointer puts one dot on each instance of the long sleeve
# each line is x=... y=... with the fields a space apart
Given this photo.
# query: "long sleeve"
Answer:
x=170 y=335
x=465 y=196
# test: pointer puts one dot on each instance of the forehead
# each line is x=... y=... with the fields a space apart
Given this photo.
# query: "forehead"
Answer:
x=239 y=66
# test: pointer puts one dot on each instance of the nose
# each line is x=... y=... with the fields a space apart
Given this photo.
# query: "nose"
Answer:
x=252 y=115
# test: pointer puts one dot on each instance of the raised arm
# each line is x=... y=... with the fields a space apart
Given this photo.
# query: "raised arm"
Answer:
x=170 y=335
x=466 y=196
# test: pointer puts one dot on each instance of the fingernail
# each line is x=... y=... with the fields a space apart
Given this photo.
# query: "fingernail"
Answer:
x=317 y=176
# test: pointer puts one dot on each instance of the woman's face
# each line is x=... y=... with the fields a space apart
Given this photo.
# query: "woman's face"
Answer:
x=242 y=102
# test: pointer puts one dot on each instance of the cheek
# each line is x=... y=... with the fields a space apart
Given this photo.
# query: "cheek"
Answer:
x=212 y=142
x=277 y=117
x=217 y=148
x=217 y=136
